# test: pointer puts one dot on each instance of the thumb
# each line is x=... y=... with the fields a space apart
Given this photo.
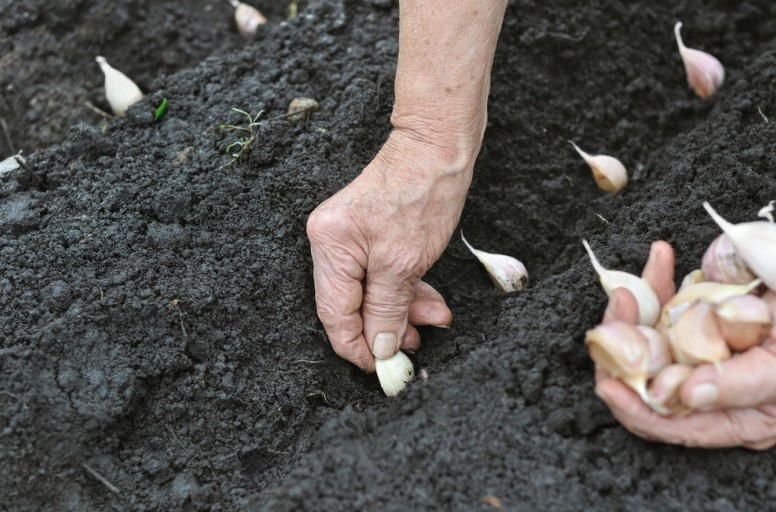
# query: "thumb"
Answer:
x=385 y=309
x=746 y=380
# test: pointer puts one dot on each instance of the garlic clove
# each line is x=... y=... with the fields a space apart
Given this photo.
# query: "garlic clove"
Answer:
x=508 y=273
x=744 y=320
x=705 y=73
x=694 y=277
x=300 y=108
x=708 y=292
x=646 y=298
x=722 y=264
x=620 y=349
x=247 y=18
x=755 y=243
x=766 y=212
x=664 y=388
x=120 y=91
x=697 y=338
x=394 y=373
x=659 y=350
x=609 y=173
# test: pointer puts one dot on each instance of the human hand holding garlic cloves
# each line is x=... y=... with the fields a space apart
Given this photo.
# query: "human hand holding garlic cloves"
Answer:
x=735 y=407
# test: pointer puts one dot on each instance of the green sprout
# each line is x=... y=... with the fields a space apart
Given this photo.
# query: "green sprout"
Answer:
x=160 y=110
x=248 y=135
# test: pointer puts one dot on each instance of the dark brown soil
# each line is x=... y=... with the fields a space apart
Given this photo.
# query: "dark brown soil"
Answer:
x=156 y=307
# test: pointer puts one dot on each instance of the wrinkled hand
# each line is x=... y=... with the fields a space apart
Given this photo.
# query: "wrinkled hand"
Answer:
x=734 y=408
x=373 y=241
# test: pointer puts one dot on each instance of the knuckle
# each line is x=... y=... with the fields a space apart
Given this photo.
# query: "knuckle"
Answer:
x=322 y=222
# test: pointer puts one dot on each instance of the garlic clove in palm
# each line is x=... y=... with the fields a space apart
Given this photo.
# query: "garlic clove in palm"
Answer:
x=621 y=350
x=722 y=264
x=664 y=388
x=646 y=298
x=394 y=373
x=609 y=173
x=708 y=292
x=705 y=73
x=508 y=273
x=697 y=338
x=659 y=350
x=120 y=91
x=694 y=277
x=745 y=321
x=755 y=243
x=247 y=18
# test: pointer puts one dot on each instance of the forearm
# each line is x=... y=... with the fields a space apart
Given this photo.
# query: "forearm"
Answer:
x=446 y=52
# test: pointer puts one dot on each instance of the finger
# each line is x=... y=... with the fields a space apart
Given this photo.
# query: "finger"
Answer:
x=385 y=311
x=659 y=270
x=338 y=302
x=746 y=380
x=622 y=306
x=411 y=340
x=428 y=307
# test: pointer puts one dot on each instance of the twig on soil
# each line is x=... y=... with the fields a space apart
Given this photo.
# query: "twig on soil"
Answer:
x=177 y=441
x=96 y=110
x=322 y=394
x=112 y=488
x=763 y=115
x=7 y=134
x=602 y=218
x=306 y=361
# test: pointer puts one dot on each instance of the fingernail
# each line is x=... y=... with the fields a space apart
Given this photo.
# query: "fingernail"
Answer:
x=385 y=345
x=440 y=326
x=611 y=309
x=703 y=396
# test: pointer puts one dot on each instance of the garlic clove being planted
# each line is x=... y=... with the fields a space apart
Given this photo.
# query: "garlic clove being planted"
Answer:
x=697 y=338
x=247 y=18
x=704 y=72
x=722 y=264
x=609 y=173
x=620 y=349
x=394 y=373
x=755 y=243
x=120 y=91
x=745 y=321
x=508 y=273
x=664 y=388
x=646 y=298
x=659 y=350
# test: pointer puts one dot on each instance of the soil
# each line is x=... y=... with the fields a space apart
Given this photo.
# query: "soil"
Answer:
x=160 y=348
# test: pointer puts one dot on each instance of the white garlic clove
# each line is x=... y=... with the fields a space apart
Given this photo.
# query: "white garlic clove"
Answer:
x=609 y=173
x=508 y=273
x=659 y=350
x=766 y=212
x=755 y=243
x=697 y=338
x=394 y=373
x=120 y=91
x=745 y=321
x=621 y=350
x=705 y=73
x=694 y=277
x=722 y=264
x=646 y=298
x=708 y=292
x=247 y=18
x=664 y=388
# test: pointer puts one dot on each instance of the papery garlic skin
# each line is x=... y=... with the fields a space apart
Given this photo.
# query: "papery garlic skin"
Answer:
x=705 y=74
x=659 y=350
x=507 y=273
x=609 y=173
x=693 y=278
x=722 y=264
x=120 y=91
x=744 y=320
x=394 y=373
x=646 y=298
x=755 y=243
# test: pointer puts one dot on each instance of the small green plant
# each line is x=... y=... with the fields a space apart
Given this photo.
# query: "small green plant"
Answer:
x=246 y=131
x=161 y=109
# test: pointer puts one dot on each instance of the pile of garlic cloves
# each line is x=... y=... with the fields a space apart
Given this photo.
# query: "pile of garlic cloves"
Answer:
x=726 y=307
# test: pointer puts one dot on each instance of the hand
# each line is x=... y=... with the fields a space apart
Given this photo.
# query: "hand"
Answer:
x=373 y=241
x=734 y=408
